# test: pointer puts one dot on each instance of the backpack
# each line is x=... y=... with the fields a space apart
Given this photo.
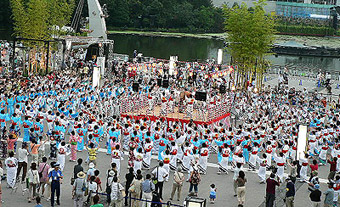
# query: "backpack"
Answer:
x=194 y=179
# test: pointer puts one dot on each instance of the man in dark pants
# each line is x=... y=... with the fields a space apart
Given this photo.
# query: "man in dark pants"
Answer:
x=160 y=173
x=270 y=190
x=57 y=177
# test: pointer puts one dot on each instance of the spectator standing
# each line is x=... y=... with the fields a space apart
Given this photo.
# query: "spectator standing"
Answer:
x=315 y=196
x=78 y=191
x=212 y=195
x=237 y=169
x=117 y=193
x=147 y=188
x=177 y=184
x=329 y=196
x=270 y=190
x=109 y=181
x=195 y=179
x=44 y=167
x=129 y=178
x=92 y=190
x=77 y=168
x=56 y=176
x=241 y=188
x=290 y=193
x=22 y=161
x=34 y=151
x=160 y=174
x=136 y=189
x=33 y=181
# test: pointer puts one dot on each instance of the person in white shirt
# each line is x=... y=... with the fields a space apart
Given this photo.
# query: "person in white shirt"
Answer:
x=22 y=161
x=117 y=193
x=161 y=174
x=33 y=181
x=92 y=189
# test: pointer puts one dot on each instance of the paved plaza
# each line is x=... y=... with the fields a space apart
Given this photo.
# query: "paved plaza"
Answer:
x=255 y=191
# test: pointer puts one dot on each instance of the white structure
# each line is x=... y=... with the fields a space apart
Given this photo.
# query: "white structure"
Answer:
x=220 y=56
x=96 y=77
x=172 y=64
x=96 y=20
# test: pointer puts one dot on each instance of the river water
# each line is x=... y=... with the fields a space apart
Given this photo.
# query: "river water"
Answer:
x=191 y=49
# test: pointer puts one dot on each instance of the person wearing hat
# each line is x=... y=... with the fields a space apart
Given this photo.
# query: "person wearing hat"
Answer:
x=91 y=170
x=177 y=184
x=79 y=188
x=56 y=177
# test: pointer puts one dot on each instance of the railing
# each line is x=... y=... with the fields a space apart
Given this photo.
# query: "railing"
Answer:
x=130 y=198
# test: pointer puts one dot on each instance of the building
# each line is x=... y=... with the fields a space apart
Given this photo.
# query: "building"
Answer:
x=291 y=8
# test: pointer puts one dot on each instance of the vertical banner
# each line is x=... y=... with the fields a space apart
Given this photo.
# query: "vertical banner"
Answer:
x=96 y=77
x=219 y=56
x=172 y=63
x=101 y=65
x=302 y=142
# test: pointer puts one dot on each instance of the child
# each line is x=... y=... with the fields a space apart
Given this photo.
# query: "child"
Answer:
x=212 y=193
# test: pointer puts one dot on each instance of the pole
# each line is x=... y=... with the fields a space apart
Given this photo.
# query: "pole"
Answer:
x=13 y=54
x=47 y=56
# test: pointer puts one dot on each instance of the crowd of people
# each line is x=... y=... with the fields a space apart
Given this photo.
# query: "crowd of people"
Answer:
x=65 y=111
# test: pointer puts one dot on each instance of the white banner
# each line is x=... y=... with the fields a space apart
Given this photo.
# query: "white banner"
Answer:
x=302 y=142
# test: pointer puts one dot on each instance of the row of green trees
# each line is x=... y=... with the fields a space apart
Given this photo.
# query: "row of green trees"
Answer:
x=182 y=15
x=40 y=19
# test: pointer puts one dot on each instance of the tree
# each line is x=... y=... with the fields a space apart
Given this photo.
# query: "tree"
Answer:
x=60 y=13
x=37 y=26
x=119 y=12
x=19 y=16
x=5 y=13
x=250 y=36
x=38 y=20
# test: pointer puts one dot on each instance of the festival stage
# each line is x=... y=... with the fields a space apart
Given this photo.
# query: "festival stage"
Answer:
x=207 y=117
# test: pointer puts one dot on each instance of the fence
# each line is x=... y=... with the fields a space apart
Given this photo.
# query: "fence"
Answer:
x=130 y=199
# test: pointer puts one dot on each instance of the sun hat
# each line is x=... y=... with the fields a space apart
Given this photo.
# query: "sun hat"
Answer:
x=81 y=174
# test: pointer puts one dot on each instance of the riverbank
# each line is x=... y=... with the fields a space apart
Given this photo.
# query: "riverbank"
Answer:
x=331 y=42
x=218 y=36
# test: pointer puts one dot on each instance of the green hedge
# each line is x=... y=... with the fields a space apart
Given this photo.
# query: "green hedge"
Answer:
x=308 y=30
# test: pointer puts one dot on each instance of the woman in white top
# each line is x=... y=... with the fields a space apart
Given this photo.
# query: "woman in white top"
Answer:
x=33 y=181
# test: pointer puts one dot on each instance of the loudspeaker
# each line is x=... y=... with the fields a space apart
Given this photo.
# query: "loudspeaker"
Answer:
x=223 y=89
x=165 y=83
x=159 y=82
x=201 y=96
x=135 y=87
